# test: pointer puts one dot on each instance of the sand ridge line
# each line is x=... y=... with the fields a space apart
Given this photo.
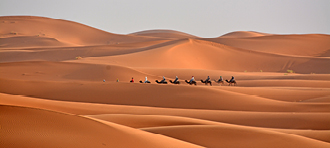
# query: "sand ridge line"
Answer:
x=145 y=122
x=222 y=136
x=158 y=96
x=79 y=131
x=286 y=120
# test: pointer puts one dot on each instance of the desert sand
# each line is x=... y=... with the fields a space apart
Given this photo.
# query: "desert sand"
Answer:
x=52 y=92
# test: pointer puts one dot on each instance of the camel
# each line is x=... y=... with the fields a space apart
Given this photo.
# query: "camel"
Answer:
x=161 y=82
x=175 y=82
x=218 y=81
x=231 y=82
x=143 y=82
x=206 y=82
x=193 y=82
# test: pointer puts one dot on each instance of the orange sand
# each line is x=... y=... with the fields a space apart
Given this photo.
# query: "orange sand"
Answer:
x=52 y=92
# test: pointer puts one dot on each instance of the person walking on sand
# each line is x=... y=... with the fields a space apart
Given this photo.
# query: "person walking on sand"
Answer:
x=132 y=81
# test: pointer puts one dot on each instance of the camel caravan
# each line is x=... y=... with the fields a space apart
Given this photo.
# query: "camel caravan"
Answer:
x=192 y=81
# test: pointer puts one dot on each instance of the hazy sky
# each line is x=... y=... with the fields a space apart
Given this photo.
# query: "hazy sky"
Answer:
x=204 y=18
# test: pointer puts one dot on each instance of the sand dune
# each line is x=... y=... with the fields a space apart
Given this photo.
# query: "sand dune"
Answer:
x=69 y=53
x=28 y=41
x=293 y=94
x=52 y=92
x=151 y=122
x=315 y=45
x=62 y=30
x=198 y=54
x=284 y=120
x=184 y=96
x=167 y=34
x=175 y=117
x=139 y=121
x=215 y=74
x=39 y=128
x=321 y=99
x=215 y=136
x=147 y=121
x=60 y=71
x=244 y=34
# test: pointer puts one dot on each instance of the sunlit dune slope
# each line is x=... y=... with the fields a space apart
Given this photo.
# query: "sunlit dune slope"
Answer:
x=61 y=71
x=147 y=121
x=23 y=127
x=228 y=136
x=66 y=32
x=153 y=95
x=153 y=116
x=30 y=41
x=69 y=53
x=246 y=79
x=137 y=116
x=167 y=34
x=243 y=34
x=156 y=121
x=317 y=45
x=199 y=54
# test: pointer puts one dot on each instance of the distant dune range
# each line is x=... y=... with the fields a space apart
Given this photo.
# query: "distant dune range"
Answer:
x=244 y=34
x=63 y=31
x=52 y=92
x=170 y=34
